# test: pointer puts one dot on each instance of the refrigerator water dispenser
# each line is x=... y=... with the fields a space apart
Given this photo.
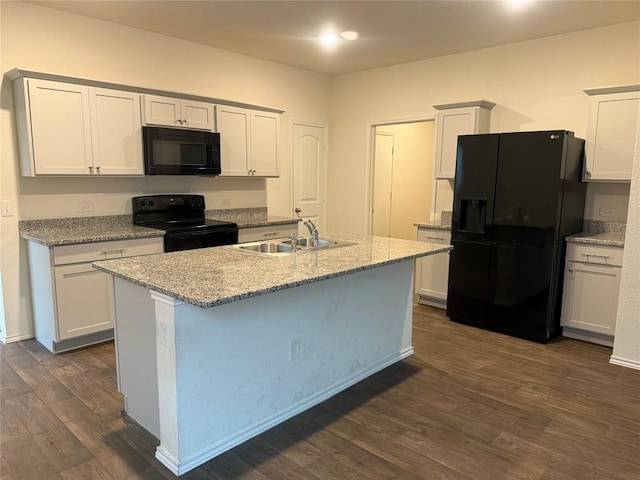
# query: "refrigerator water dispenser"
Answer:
x=472 y=214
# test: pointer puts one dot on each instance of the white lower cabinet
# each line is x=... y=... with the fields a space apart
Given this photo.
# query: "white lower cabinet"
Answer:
x=86 y=313
x=255 y=234
x=73 y=302
x=432 y=272
x=590 y=297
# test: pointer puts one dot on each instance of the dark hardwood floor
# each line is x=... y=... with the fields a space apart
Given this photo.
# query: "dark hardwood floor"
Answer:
x=470 y=404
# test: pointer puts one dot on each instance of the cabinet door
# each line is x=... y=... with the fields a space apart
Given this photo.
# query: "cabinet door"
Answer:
x=264 y=144
x=433 y=271
x=116 y=132
x=60 y=127
x=590 y=300
x=451 y=123
x=234 y=127
x=611 y=136
x=162 y=111
x=197 y=115
x=84 y=300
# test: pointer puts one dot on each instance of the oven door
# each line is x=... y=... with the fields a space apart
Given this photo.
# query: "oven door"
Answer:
x=174 y=242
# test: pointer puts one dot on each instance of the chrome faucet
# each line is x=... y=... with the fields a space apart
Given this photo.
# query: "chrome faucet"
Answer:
x=313 y=231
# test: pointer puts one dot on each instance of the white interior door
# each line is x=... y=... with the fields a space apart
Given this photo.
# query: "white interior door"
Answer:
x=382 y=183
x=309 y=174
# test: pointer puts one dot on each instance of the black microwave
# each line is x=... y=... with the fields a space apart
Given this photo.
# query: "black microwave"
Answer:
x=177 y=151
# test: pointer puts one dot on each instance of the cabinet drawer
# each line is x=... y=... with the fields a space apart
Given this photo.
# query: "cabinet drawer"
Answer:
x=253 y=234
x=90 y=252
x=598 y=254
x=434 y=236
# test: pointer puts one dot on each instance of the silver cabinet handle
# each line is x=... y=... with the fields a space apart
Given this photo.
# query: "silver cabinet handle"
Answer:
x=571 y=269
x=98 y=169
x=435 y=238
x=594 y=255
x=298 y=210
x=184 y=120
x=270 y=234
x=109 y=252
x=179 y=121
x=90 y=169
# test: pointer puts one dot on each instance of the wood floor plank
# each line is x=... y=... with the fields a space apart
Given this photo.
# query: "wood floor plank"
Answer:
x=470 y=404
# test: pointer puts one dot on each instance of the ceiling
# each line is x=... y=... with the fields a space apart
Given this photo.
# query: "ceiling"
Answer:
x=391 y=32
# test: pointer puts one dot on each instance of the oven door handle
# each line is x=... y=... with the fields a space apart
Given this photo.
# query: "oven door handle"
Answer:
x=202 y=233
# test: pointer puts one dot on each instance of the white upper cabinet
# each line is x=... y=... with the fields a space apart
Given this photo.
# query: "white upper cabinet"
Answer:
x=264 y=143
x=176 y=112
x=248 y=142
x=611 y=135
x=234 y=125
x=457 y=119
x=60 y=129
x=70 y=129
x=116 y=132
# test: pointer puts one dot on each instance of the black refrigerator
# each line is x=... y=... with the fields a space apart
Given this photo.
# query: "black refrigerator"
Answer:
x=516 y=197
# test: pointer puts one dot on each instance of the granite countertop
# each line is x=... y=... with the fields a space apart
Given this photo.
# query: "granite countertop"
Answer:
x=444 y=223
x=436 y=225
x=208 y=277
x=612 y=239
x=69 y=231
x=75 y=230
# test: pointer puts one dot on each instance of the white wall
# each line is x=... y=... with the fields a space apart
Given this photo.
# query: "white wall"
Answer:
x=42 y=39
x=626 y=347
x=536 y=84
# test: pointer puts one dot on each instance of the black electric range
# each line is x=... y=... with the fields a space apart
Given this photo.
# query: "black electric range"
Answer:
x=182 y=217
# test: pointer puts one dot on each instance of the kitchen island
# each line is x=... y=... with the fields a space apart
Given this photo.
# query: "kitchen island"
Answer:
x=215 y=346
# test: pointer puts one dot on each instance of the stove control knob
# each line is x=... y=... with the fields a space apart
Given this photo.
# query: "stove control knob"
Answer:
x=151 y=203
x=142 y=203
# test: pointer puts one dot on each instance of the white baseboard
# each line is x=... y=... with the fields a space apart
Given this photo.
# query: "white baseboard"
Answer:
x=624 y=362
x=15 y=338
x=236 y=439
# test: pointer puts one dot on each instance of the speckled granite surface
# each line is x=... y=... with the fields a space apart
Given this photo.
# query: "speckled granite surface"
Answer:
x=435 y=225
x=249 y=217
x=74 y=230
x=70 y=231
x=214 y=276
x=443 y=224
x=604 y=238
x=597 y=232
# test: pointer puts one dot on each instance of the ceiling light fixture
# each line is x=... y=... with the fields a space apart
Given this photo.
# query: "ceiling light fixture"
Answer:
x=349 y=35
x=329 y=40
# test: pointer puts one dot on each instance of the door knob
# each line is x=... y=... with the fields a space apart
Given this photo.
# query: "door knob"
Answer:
x=298 y=210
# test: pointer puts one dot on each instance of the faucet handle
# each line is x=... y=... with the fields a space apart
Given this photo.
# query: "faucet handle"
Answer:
x=294 y=242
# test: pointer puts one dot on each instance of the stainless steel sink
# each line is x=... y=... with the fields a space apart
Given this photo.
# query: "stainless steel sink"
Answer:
x=275 y=248
x=267 y=248
x=306 y=243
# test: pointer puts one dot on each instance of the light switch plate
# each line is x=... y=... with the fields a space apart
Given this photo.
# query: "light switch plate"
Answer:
x=7 y=208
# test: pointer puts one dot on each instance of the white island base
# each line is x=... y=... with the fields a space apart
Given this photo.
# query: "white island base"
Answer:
x=205 y=380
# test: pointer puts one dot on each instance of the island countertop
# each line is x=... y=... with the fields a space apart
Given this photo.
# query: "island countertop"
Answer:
x=209 y=277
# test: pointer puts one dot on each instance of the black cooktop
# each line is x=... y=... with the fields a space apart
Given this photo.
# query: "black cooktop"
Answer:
x=175 y=213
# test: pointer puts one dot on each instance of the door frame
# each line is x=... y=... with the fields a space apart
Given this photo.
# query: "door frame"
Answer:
x=369 y=164
x=292 y=166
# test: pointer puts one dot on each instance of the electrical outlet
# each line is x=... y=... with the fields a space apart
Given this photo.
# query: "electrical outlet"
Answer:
x=294 y=349
x=85 y=207
x=226 y=202
x=7 y=208
x=607 y=212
